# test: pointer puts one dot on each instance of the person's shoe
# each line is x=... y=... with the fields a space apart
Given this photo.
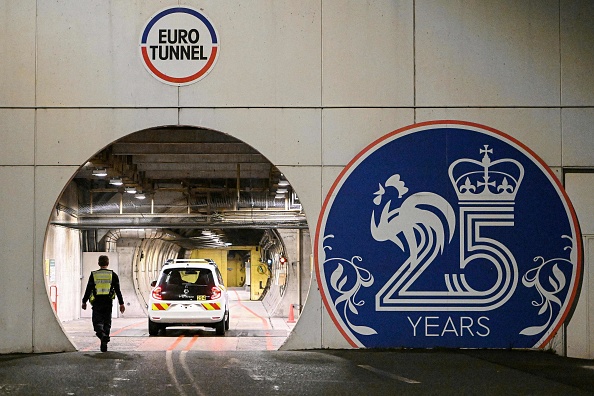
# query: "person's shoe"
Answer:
x=103 y=346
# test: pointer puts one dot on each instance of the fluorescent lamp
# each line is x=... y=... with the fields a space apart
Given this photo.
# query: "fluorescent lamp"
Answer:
x=282 y=191
x=140 y=196
x=100 y=172
x=116 y=182
x=130 y=190
x=283 y=183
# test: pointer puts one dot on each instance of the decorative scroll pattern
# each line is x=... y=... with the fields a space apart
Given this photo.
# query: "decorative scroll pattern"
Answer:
x=346 y=279
x=547 y=292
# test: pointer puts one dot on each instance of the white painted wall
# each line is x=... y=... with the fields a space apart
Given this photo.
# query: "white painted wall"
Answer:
x=324 y=77
x=63 y=250
x=580 y=331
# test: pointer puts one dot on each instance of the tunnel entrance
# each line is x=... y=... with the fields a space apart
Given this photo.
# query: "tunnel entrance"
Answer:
x=181 y=192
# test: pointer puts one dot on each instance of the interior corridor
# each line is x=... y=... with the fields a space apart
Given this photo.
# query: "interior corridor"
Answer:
x=251 y=329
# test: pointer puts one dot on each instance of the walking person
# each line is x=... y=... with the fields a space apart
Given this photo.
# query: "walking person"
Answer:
x=102 y=288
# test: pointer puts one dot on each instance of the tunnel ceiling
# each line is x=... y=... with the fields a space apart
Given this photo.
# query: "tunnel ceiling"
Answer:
x=196 y=182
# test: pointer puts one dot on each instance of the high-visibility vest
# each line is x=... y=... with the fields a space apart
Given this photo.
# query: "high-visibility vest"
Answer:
x=102 y=280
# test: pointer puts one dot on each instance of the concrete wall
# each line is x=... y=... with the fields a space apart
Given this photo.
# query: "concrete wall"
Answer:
x=148 y=259
x=580 y=334
x=127 y=258
x=290 y=282
x=324 y=77
x=282 y=290
x=62 y=260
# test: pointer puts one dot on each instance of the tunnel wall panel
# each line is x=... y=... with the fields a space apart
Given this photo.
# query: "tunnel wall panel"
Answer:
x=580 y=330
x=284 y=136
x=62 y=259
x=576 y=57
x=269 y=55
x=466 y=57
x=577 y=137
x=16 y=260
x=367 y=56
x=72 y=136
x=48 y=334
x=98 y=42
x=357 y=124
x=17 y=53
x=18 y=136
x=539 y=128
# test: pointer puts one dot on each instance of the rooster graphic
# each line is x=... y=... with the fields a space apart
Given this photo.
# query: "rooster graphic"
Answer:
x=420 y=222
x=418 y=214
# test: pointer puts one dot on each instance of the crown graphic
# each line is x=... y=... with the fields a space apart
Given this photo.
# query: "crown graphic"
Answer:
x=486 y=180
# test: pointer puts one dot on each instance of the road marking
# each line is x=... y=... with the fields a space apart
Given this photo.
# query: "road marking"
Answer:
x=191 y=343
x=177 y=341
x=171 y=370
x=188 y=372
x=387 y=374
x=265 y=323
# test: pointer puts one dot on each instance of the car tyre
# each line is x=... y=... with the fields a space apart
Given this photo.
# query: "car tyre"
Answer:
x=220 y=328
x=153 y=328
x=227 y=321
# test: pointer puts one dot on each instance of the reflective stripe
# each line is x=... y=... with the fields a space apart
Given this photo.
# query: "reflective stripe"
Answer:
x=102 y=280
x=211 y=306
x=160 y=306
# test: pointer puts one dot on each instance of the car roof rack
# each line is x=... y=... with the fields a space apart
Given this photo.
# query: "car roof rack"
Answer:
x=190 y=261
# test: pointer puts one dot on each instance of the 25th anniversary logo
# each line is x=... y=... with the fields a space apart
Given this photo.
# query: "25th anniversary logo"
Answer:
x=448 y=234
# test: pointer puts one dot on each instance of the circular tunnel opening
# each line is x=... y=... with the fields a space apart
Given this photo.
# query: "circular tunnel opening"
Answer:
x=180 y=193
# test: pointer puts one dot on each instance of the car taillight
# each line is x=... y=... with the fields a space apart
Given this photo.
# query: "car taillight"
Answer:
x=157 y=293
x=216 y=293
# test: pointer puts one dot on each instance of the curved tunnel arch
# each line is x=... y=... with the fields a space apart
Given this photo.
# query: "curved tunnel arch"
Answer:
x=149 y=246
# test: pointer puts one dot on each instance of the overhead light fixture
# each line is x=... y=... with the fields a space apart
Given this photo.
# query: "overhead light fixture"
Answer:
x=140 y=196
x=283 y=183
x=100 y=172
x=279 y=196
x=130 y=190
x=116 y=181
x=282 y=191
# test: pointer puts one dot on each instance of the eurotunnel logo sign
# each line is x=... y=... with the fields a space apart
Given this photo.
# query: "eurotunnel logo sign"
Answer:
x=179 y=46
x=448 y=234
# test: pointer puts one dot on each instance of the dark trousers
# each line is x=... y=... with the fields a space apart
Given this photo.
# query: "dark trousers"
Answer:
x=102 y=321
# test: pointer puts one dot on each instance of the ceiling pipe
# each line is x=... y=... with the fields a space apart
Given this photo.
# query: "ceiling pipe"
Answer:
x=112 y=236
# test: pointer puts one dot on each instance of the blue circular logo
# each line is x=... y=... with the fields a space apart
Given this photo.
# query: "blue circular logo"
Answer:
x=448 y=234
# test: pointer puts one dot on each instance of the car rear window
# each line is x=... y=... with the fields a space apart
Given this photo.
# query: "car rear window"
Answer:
x=186 y=284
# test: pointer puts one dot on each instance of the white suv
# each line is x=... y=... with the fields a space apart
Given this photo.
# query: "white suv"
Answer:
x=189 y=292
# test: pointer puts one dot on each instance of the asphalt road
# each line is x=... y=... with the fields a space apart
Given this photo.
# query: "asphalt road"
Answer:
x=320 y=372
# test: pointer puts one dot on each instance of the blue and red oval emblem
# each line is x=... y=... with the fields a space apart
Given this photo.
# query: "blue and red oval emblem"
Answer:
x=179 y=46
